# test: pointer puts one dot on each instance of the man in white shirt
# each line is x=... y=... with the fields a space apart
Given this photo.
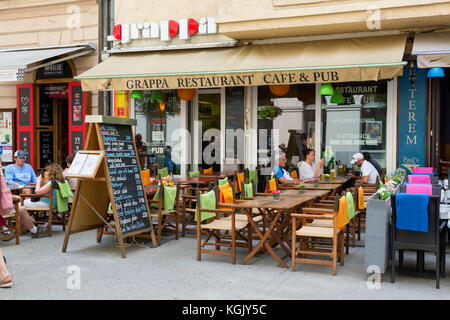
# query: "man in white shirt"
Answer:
x=368 y=172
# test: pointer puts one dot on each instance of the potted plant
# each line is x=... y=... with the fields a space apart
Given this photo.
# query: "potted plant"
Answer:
x=269 y=112
x=276 y=195
x=301 y=188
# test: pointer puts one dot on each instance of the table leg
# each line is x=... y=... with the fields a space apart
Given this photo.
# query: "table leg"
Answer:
x=264 y=241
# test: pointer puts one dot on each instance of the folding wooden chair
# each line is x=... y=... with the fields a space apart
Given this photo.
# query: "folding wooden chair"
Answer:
x=12 y=229
x=164 y=215
x=339 y=217
x=45 y=214
x=219 y=222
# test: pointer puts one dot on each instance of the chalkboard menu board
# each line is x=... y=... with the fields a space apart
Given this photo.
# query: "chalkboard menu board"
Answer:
x=77 y=141
x=234 y=119
x=46 y=143
x=25 y=106
x=46 y=113
x=77 y=106
x=125 y=177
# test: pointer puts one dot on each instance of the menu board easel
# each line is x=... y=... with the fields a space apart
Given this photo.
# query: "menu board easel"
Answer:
x=108 y=171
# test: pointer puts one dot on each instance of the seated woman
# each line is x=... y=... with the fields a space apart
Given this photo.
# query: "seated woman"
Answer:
x=307 y=168
x=55 y=174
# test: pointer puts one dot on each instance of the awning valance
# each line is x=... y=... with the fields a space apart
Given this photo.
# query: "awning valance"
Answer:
x=358 y=59
x=15 y=62
x=432 y=49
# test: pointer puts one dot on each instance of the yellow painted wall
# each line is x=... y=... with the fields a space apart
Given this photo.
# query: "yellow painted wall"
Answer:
x=37 y=23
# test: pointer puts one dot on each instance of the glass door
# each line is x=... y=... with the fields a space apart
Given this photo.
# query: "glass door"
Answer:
x=207 y=129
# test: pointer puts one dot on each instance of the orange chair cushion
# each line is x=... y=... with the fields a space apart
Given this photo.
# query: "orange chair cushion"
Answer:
x=208 y=171
x=240 y=179
x=146 y=177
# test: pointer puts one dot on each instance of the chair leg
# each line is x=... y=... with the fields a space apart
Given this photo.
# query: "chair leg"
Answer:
x=250 y=238
x=359 y=227
x=438 y=272
x=177 y=222
x=347 y=238
x=392 y=265
x=199 y=239
x=342 y=248
x=400 y=260
x=50 y=222
x=353 y=232
x=335 y=254
x=233 y=246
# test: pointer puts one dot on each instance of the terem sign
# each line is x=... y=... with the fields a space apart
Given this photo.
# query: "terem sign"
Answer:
x=411 y=118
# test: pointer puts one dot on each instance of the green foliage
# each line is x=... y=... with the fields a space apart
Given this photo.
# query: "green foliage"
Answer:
x=269 y=112
x=151 y=108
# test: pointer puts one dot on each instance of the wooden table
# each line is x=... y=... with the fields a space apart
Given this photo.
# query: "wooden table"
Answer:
x=337 y=181
x=18 y=189
x=331 y=187
x=151 y=190
x=220 y=175
x=276 y=215
x=314 y=194
x=197 y=180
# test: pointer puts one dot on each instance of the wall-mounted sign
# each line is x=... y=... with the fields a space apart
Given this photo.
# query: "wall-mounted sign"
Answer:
x=12 y=74
x=164 y=30
x=56 y=91
x=24 y=119
x=411 y=118
x=60 y=70
x=121 y=104
x=78 y=109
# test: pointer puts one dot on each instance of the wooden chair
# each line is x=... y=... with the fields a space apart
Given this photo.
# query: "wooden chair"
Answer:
x=165 y=217
x=239 y=178
x=222 y=225
x=13 y=229
x=335 y=234
x=268 y=188
x=188 y=207
x=45 y=214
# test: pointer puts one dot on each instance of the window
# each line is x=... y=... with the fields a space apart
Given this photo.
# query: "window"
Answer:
x=357 y=123
x=157 y=123
x=290 y=131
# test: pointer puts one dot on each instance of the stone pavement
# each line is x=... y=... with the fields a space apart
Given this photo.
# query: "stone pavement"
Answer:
x=171 y=271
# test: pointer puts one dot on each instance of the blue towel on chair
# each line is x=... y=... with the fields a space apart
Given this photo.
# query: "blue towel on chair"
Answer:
x=412 y=211
x=422 y=174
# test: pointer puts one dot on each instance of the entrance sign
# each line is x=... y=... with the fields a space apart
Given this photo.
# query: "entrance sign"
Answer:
x=113 y=178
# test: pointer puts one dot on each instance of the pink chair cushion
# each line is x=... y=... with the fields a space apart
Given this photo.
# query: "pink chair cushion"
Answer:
x=423 y=170
x=419 y=179
x=419 y=188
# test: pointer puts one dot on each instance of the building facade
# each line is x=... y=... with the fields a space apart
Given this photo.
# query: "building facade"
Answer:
x=44 y=45
x=222 y=72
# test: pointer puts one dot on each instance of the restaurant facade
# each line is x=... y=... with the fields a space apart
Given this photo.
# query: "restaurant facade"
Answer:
x=231 y=82
x=44 y=46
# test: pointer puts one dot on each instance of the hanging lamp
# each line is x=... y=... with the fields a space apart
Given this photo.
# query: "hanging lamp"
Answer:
x=136 y=94
x=326 y=89
x=157 y=96
x=436 y=72
x=337 y=97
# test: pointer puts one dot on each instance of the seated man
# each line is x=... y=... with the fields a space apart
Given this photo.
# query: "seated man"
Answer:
x=368 y=172
x=19 y=173
x=282 y=174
